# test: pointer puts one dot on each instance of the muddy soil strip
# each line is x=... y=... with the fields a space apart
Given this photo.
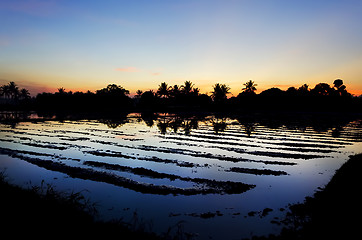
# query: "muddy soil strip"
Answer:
x=153 y=174
x=256 y=171
x=8 y=150
x=150 y=159
x=90 y=174
x=40 y=144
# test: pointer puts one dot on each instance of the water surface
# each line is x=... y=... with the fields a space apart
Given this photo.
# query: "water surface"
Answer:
x=218 y=177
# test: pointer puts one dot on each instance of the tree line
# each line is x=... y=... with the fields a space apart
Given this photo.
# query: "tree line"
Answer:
x=186 y=97
x=12 y=91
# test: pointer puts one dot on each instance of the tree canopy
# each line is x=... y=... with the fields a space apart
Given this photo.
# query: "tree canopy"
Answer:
x=187 y=96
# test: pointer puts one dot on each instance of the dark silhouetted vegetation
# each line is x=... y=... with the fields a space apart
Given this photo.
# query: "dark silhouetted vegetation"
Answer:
x=42 y=210
x=187 y=97
x=11 y=97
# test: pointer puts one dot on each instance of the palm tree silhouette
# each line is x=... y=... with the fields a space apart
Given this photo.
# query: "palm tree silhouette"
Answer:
x=139 y=93
x=220 y=92
x=5 y=91
x=163 y=90
x=175 y=91
x=250 y=87
x=61 y=90
x=13 y=90
x=24 y=94
x=187 y=87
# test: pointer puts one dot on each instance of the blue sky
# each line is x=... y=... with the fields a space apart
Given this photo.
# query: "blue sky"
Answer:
x=81 y=45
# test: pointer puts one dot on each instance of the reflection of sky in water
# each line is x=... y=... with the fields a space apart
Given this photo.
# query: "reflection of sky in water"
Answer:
x=201 y=153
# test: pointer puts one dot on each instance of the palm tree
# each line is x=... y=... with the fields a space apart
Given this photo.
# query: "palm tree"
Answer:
x=24 y=94
x=175 y=91
x=13 y=90
x=9 y=90
x=187 y=87
x=163 y=90
x=61 y=90
x=220 y=92
x=195 y=91
x=139 y=93
x=4 y=91
x=250 y=87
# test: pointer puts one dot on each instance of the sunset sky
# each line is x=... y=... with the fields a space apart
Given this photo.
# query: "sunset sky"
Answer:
x=85 y=45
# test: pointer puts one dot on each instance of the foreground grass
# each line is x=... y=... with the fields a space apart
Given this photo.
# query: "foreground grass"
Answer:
x=333 y=213
x=44 y=212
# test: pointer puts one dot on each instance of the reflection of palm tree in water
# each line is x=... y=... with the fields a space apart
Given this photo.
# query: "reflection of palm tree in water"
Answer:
x=218 y=124
x=249 y=128
x=148 y=118
x=162 y=124
x=175 y=123
x=336 y=132
x=189 y=124
x=113 y=123
x=13 y=118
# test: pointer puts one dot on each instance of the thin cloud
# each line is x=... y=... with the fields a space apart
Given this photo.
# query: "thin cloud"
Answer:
x=127 y=69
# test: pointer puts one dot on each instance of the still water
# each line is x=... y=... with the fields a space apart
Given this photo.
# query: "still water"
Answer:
x=213 y=176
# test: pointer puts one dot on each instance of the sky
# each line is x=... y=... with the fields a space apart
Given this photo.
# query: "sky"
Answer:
x=86 y=45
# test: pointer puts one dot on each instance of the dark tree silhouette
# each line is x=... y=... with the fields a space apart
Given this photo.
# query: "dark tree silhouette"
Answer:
x=5 y=91
x=220 y=92
x=148 y=100
x=303 y=90
x=139 y=93
x=322 y=89
x=187 y=97
x=272 y=92
x=113 y=90
x=10 y=91
x=24 y=94
x=61 y=90
x=187 y=87
x=175 y=91
x=163 y=90
x=14 y=90
x=291 y=91
x=340 y=88
x=250 y=87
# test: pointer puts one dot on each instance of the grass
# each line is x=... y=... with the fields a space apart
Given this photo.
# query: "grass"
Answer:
x=44 y=211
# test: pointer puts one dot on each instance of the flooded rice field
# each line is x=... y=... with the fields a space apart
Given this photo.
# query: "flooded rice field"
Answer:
x=214 y=177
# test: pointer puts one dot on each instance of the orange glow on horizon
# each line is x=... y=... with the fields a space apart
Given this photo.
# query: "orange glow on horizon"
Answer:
x=206 y=90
